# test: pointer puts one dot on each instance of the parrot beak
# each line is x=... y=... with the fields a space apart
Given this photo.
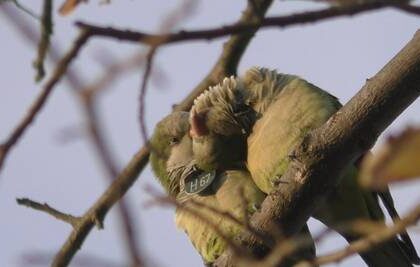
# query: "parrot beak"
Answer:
x=198 y=124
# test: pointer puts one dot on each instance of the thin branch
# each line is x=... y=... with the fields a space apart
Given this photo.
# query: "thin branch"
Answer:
x=236 y=28
x=370 y=241
x=409 y=8
x=46 y=24
x=142 y=95
x=48 y=209
x=25 y=9
x=348 y=133
x=170 y=21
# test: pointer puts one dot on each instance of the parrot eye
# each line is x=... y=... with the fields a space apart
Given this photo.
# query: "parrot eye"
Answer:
x=173 y=141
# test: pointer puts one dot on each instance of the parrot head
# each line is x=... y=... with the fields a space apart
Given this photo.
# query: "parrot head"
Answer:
x=220 y=122
x=171 y=151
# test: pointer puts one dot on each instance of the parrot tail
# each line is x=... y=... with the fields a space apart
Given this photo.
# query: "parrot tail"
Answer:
x=405 y=241
x=389 y=254
x=398 y=251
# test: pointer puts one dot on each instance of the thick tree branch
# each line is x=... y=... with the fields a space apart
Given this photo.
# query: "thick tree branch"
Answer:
x=326 y=151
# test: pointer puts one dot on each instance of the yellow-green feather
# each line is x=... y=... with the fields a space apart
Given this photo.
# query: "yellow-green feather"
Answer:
x=298 y=108
x=227 y=199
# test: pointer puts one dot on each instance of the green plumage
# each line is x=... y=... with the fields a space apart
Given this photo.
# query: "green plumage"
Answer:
x=232 y=191
x=226 y=198
x=171 y=157
x=164 y=143
x=279 y=110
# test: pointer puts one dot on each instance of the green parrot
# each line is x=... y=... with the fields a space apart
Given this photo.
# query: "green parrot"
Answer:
x=270 y=113
x=231 y=190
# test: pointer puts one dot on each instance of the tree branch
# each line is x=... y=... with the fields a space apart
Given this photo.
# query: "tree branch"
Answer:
x=48 y=209
x=326 y=151
x=243 y=26
x=142 y=94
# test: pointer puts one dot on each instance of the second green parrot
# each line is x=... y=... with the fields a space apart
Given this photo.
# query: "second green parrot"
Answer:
x=270 y=113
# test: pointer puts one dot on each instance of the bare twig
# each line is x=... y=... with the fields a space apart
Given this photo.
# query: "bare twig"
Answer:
x=25 y=9
x=44 y=42
x=48 y=209
x=378 y=237
x=236 y=28
x=409 y=8
x=170 y=21
x=142 y=95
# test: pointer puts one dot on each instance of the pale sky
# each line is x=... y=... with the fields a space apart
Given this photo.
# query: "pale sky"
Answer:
x=337 y=55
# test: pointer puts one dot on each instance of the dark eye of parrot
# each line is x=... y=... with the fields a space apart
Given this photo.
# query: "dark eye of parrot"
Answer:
x=173 y=141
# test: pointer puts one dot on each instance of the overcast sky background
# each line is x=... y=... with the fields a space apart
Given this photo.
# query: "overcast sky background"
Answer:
x=337 y=55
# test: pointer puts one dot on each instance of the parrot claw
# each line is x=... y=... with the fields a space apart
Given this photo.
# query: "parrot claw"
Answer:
x=277 y=181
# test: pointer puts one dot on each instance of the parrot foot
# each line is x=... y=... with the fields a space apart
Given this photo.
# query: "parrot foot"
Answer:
x=277 y=181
